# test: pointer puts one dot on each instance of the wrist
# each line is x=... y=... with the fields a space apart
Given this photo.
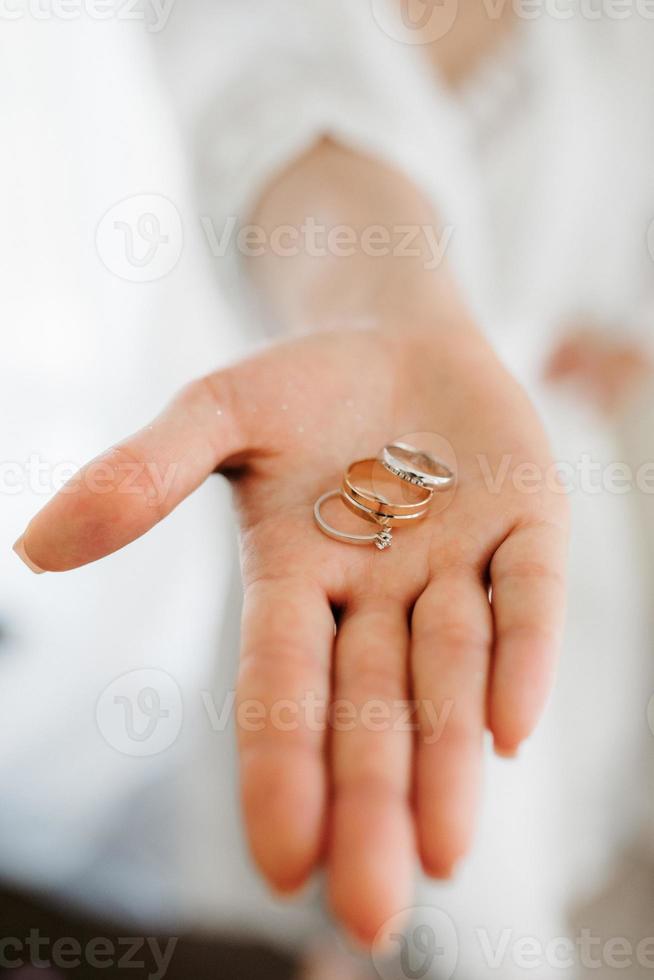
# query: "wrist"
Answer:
x=425 y=310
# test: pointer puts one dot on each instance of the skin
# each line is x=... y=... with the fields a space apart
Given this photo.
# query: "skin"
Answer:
x=478 y=28
x=608 y=371
x=383 y=348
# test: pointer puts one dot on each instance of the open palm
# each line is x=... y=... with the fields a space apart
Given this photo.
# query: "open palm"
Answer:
x=365 y=632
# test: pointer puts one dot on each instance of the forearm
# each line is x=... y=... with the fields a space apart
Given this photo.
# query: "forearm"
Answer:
x=348 y=239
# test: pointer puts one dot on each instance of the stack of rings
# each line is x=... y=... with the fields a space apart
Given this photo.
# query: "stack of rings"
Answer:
x=371 y=490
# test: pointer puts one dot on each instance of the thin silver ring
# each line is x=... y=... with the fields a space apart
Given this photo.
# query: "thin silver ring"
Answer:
x=441 y=476
x=381 y=539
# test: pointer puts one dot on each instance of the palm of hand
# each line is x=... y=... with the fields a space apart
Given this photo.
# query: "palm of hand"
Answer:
x=413 y=623
x=356 y=785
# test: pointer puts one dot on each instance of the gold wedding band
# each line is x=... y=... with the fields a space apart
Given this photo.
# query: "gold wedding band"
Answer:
x=373 y=491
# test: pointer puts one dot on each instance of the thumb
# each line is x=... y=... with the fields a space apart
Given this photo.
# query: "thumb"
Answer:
x=127 y=490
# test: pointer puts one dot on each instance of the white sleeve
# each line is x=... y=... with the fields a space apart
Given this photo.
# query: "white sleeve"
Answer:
x=288 y=72
x=295 y=70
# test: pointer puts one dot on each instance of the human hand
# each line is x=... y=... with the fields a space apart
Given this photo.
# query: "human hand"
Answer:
x=413 y=622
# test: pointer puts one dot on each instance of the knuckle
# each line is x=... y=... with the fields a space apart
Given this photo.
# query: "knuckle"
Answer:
x=278 y=661
x=135 y=475
x=530 y=635
x=365 y=679
x=459 y=640
x=460 y=637
x=372 y=781
x=211 y=395
x=196 y=392
x=530 y=570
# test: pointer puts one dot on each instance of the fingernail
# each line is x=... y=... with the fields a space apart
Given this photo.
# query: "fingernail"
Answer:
x=506 y=753
x=19 y=548
x=442 y=872
x=288 y=890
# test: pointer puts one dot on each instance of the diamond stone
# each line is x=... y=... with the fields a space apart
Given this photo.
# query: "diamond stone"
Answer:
x=384 y=539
